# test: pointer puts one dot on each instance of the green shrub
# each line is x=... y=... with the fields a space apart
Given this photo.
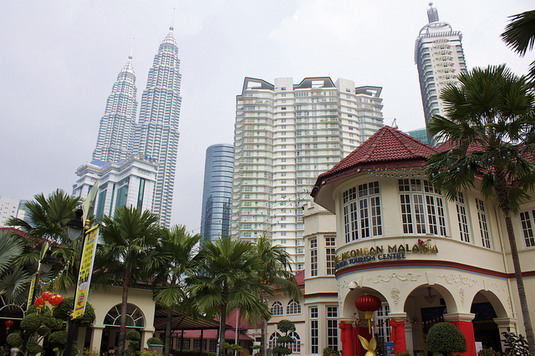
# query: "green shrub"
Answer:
x=34 y=348
x=133 y=335
x=43 y=330
x=191 y=353
x=58 y=338
x=64 y=310
x=31 y=322
x=154 y=341
x=14 y=340
x=149 y=352
x=53 y=323
x=329 y=351
x=445 y=338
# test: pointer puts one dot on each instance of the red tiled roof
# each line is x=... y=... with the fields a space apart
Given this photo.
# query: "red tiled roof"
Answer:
x=387 y=148
x=300 y=278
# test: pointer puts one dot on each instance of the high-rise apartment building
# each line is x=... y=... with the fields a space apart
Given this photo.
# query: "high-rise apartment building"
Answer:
x=285 y=135
x=156 y=134
x=439 y=56
x=117 y=123
x=217 y=191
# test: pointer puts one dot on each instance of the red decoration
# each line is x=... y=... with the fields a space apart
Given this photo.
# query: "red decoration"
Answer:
x=39 y=302
x=8 y=324
x=367 y=303
x=47 y=295
x=55 y=299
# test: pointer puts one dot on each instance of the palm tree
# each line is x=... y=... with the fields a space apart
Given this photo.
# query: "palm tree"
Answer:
x=177 y=247
x=227 y=279
x=274 y=270
x=519 y=35
x=488 y=120
x=128 y=253
x=46 y=221
x=14 y=277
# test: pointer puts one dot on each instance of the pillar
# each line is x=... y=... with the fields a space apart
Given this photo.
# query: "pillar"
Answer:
x=80 y=340
x=397 y=335
x=96 y=337
x=463 y=322
x=505 y=325
x=147 y=334
x=346 y=337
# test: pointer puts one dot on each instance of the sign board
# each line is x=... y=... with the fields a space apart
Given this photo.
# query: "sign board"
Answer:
x=86 y=269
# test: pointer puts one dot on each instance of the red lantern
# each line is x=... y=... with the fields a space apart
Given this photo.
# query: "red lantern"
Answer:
x=368 y=304
x=47 y=295
x=39 y=302
x=8 y=324
x=55 y=299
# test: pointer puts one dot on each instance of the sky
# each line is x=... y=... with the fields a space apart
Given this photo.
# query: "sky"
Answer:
x=59 y=60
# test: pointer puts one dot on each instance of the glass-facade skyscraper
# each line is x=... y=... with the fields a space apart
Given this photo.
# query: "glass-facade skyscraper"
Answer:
x=217 y=191
x=439 y=56
x=117 y=123
x=156 y=134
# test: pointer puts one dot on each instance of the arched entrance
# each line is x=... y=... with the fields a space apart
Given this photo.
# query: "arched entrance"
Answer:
x=358 y=324
x=10 y=311
x=134 y=320
x=425 y=306
x=487 y=309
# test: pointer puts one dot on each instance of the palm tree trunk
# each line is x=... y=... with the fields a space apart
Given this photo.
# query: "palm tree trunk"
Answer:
x=167 y=342
x=520 y=283
x=124 y=304
x=222 y=329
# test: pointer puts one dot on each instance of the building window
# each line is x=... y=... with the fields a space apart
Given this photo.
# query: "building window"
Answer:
x=461 y=217
x=332 y=327
x=273 y=340
x=422 y=208
x=362 y=211
x=528 y=219
x=383 y=324
x=330 y=253
x=294 y=346
x=314 y=330
x=483 y=224
x=293 y=307
x=277 y=309
x=313 y=257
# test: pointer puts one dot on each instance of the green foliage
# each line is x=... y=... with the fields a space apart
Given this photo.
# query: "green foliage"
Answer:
x=43 y=330
x=58 y=338
x=31 y=322
x=146 y=352
x=232 y=347
x=281 y=350
x=445 y=338
x=329 y=351
x=488 y=352
x=285 y=326
x=406 y=353
x=515 y=344
x=34 y=348
x=64 y=310
x=154 y=341
x=53 y=322
x=14 y=340
x=191 y=353
x=90 y=352
x=133 y=335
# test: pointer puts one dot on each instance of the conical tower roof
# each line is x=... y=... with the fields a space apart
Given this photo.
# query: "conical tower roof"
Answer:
x=387 y=148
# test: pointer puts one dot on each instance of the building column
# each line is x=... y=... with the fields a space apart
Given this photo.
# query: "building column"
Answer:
x=147 y=334
x=96 y=338
x=346 y=337
x=505 y=325
x=463 y=322
x=397 y=322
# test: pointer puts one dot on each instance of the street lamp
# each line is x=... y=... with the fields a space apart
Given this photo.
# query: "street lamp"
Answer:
x=75 y=227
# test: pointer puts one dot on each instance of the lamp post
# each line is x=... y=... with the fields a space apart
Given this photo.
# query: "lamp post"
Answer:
x=75 y=229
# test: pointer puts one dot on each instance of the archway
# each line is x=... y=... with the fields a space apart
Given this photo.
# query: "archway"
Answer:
x=134 y=320
x=355 y=323
x=425 y=306
x=487 y=307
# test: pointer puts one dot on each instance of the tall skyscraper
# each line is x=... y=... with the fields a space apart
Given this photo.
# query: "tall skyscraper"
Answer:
x=217 y=191
x=157 y=133
x=117 y=123
x=439 y=56
x=285 y=135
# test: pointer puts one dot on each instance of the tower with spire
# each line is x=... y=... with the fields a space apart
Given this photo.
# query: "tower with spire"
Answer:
x=439 y=57
x=156 y=134
x=117 y=123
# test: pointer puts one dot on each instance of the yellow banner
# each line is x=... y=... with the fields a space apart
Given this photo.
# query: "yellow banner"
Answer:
x=32 y=291
x=86 y=269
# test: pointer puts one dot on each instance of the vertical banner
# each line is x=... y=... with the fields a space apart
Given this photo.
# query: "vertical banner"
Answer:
x=32 y=291
x=86 y=269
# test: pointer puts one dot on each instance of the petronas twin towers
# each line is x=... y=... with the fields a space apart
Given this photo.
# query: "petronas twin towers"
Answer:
x=155 y=135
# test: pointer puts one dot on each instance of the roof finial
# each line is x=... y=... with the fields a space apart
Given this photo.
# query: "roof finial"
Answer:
x=172 y=27
x=132 y=48
x=432 y=13
x=394 y=123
